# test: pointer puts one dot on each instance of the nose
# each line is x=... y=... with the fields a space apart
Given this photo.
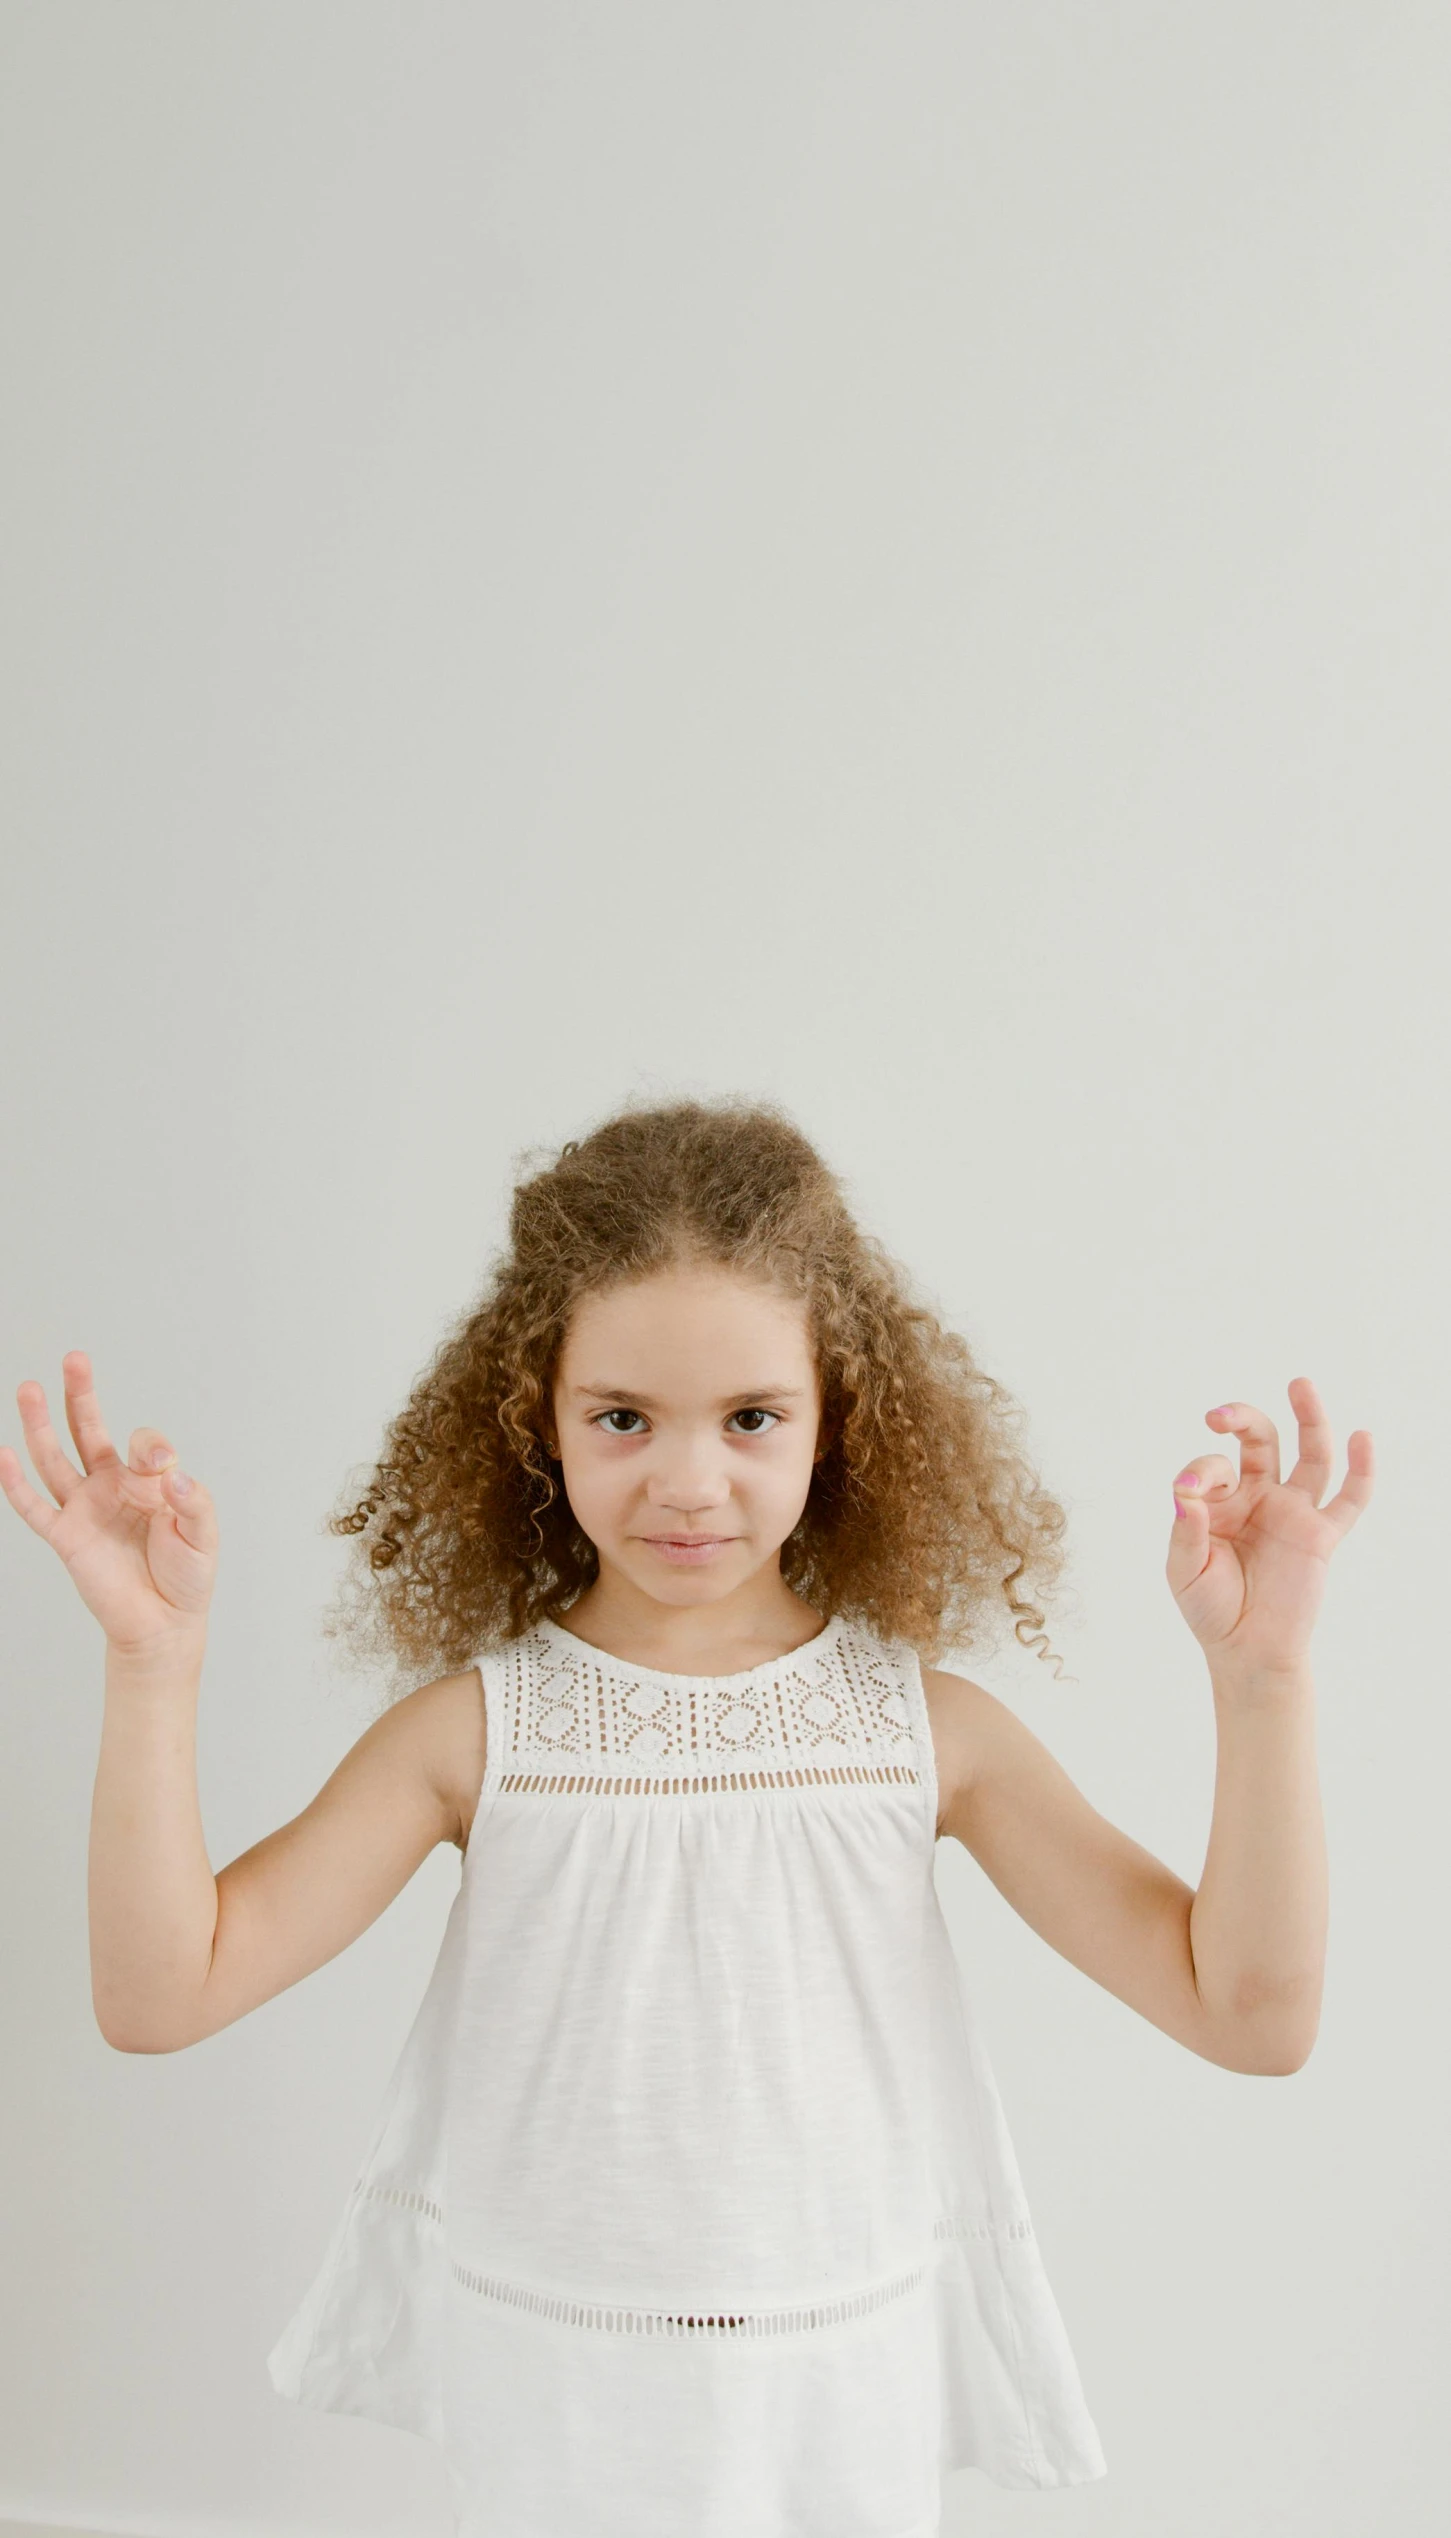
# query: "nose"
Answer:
x=687 y=1487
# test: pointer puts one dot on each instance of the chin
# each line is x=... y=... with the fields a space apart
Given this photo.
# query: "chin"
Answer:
x=684 y=1586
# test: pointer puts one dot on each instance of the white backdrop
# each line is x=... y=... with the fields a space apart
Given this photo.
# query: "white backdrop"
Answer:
x=893 y=557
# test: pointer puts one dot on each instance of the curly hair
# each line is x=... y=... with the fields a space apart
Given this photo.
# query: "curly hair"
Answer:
x=923 y=1515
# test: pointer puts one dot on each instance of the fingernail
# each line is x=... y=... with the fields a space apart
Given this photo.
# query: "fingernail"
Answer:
x=1187 y=1480
x=180 y=1483
x=159 y=1454
x=1179 y=1507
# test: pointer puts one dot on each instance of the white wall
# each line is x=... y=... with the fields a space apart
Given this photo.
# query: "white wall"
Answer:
x=894 y=557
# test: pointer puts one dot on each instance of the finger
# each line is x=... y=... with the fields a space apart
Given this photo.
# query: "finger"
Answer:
x=1317 y=1445
x=27 y=1502
x=1356 y=1489
x=148 y=1455
x=1190 y=1540
x=83 y=1411
x=46 y=1452
x=1205 y=1475
x=148 y=1452
x=1259 y=1443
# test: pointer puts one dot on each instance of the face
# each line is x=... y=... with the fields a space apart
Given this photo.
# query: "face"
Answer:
x=686 y=1411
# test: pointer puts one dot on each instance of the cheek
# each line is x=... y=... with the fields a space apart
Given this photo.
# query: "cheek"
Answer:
x=599 y=1478
x=783 y=1475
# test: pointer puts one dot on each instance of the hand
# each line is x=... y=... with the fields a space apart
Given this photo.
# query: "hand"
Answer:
x=142 y=1552
x=1249 y=1552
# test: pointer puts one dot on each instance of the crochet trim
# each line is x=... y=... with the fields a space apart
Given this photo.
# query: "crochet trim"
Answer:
x=758 y=2322
x=539 y=1782
x=614 y=2319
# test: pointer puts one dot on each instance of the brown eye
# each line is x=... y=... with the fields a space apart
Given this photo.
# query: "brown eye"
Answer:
x=773 y=1415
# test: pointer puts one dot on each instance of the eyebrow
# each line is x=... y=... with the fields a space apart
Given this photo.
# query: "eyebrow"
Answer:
x=731 y=1401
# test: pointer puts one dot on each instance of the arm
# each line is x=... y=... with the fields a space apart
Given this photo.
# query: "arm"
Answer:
x=1260 y=1918
x=176 y=1952
x=151 y=1894
x=1233 y=1971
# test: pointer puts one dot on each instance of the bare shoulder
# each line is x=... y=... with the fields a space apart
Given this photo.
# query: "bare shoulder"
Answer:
x=449 y=1727
x=434 y=1737
x=968 y=1723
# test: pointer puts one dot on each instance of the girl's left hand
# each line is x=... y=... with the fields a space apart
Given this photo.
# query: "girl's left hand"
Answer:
x=1248 y=1552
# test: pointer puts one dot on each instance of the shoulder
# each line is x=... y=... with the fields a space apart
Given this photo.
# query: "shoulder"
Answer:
x=968 y=1724
x=443 y=1724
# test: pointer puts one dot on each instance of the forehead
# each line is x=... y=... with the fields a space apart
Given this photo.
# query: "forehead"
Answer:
x=686 y=1328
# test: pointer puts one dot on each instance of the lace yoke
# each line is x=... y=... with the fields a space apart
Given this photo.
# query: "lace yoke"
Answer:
x=831 y=1710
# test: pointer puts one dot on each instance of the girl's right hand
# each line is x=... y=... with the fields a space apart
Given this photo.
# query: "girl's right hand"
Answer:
x=141 y=1551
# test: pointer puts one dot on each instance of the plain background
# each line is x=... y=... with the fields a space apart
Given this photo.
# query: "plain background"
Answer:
x=894 y=558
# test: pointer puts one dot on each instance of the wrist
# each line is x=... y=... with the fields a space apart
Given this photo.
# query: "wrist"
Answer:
x=1235 y=1679
x=156 y=1664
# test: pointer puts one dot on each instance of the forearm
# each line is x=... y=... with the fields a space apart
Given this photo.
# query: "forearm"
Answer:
x=152 y=1891
x=1258 y=1923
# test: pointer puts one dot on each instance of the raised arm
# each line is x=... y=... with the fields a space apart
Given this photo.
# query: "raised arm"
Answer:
x=176 y=1951
x=1234 y=1971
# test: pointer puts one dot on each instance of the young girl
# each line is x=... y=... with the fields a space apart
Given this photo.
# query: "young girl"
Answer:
x=690 y=2211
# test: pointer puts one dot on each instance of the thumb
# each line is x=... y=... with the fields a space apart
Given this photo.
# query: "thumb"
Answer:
x=189 y=1502
x=155 y=1484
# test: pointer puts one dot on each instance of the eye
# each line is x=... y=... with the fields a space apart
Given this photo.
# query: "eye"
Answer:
x=774 y=1415
x=616 y=1414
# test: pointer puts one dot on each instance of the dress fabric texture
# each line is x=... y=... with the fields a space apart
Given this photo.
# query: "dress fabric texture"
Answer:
x=690 y=2210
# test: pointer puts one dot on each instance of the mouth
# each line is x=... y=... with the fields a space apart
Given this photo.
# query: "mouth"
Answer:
x=688 y=1546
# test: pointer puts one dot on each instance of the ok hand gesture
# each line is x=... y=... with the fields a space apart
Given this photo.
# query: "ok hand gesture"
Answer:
x=139 y=1540
x=1249 y=1552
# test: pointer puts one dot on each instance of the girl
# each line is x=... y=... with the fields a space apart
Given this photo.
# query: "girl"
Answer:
x=690 y=2211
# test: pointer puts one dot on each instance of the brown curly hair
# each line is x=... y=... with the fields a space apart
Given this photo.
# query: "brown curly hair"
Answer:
x=922 y=1511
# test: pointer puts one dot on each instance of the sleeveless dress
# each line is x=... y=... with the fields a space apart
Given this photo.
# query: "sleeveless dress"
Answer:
x=690 y=2210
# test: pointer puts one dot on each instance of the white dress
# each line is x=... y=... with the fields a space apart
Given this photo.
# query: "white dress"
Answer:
x=690 y=2211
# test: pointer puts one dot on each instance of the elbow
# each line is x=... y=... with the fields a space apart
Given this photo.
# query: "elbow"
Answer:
x=1270 y=2054
x=1271 y=2029
x=1263 y=2048
x=122 y=2039
x=1279 y=2067
x=120 y=2044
